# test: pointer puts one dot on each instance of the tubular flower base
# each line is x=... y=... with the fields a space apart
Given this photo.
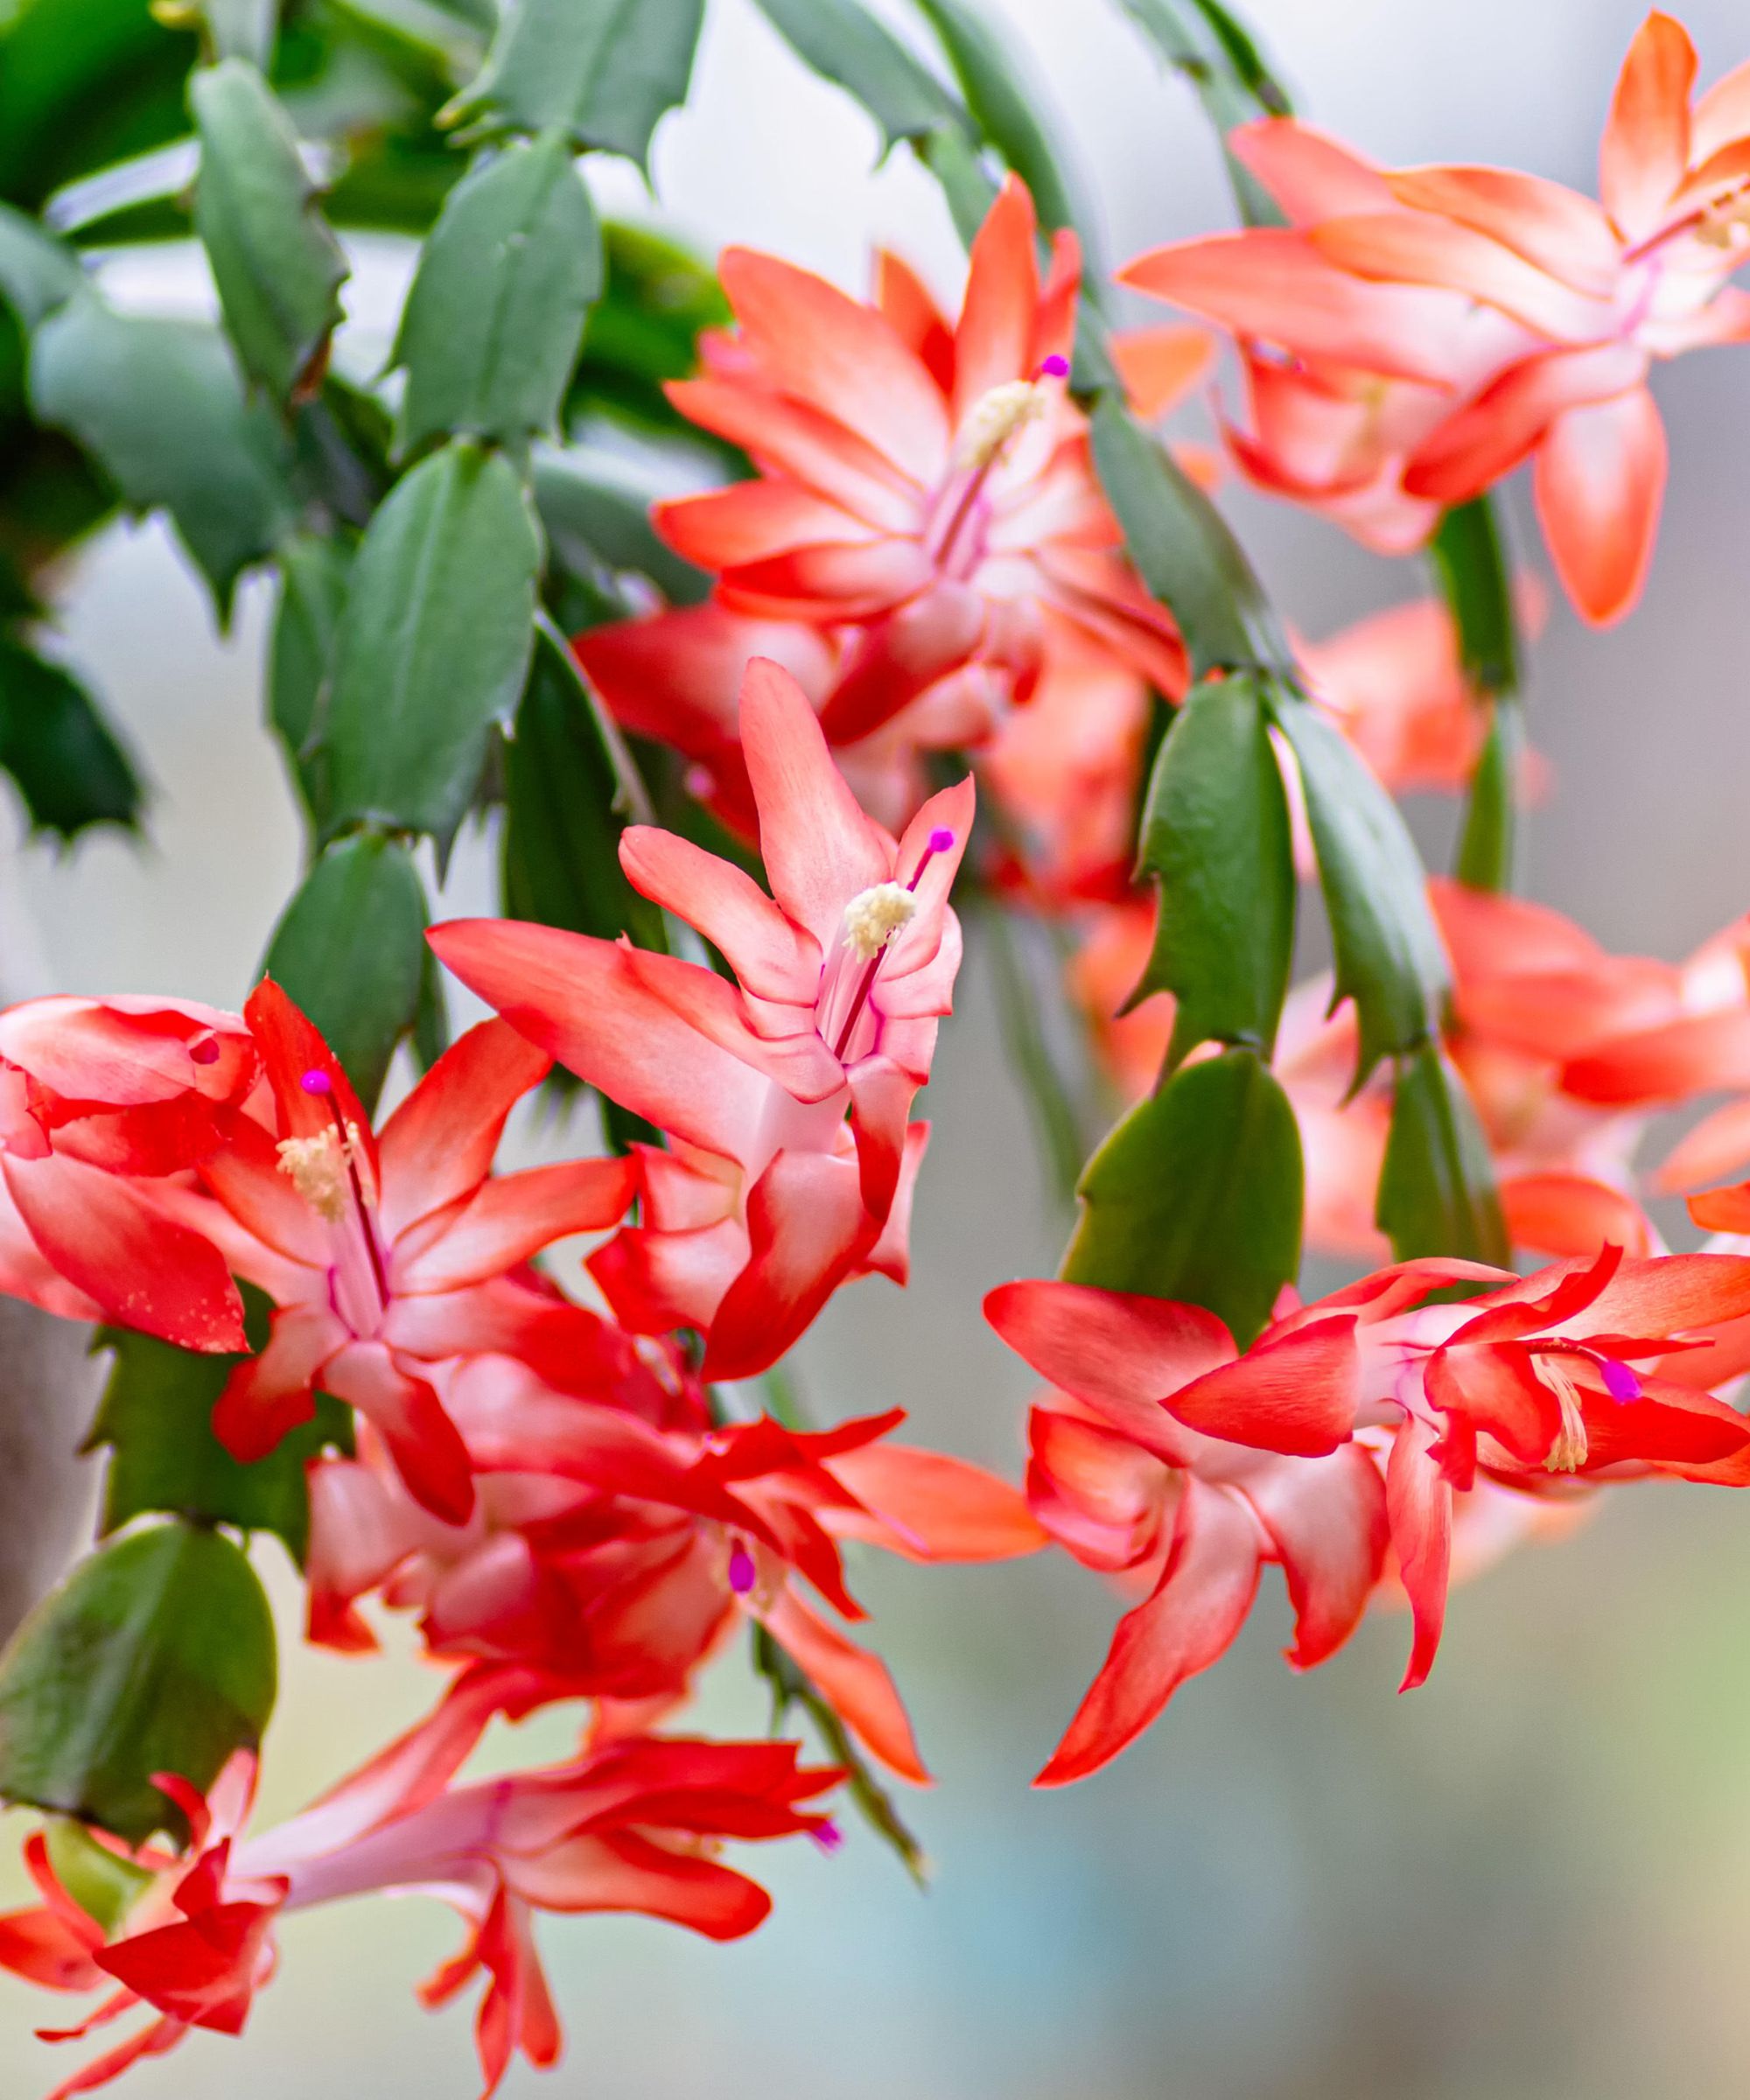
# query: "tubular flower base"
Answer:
x=787 y=1098
x=1361 y=1424
x=1441 y=324
x=631 y=1827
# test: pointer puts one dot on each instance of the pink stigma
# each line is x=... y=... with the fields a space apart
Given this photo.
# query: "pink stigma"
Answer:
x=205 y=1052
x=828 y=1836
x=1055 y=367
x=316 y=1081
x=1618 y=1381
x=941 y=840
x=742 y=1572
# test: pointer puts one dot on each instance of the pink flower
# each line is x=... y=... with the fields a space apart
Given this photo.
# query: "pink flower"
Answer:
x=786 y=1095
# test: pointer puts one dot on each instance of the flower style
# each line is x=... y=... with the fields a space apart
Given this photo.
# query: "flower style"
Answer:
x=98 y=1099
x=608 y=1558
x=788 y=1098
x=629 y=1827
x=389 y=1256
x=1533 y=1389
x=929 y=487
x=1444 y=324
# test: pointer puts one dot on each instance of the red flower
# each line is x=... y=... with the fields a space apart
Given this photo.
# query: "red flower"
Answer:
x=1379 y=1408
x=609 y=1556
x=930 y=487
x=1444 y=324
x=387 y=1256
x=769 y=1197
x=629 y=1827
x=95 y=1093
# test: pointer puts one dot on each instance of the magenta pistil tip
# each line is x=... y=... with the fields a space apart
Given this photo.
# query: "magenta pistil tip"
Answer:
x=828 y=1836
x=1055 y=367
x=741 y=1569
x=1619 y=1382
x=941 y=840
x=205 y=1050
x=317 y=1081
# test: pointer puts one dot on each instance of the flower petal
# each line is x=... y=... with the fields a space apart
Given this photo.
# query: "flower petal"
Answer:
x=1201 y=1603
x=1599 y=482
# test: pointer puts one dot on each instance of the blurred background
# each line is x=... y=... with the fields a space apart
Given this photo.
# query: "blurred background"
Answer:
x=1529 y=1881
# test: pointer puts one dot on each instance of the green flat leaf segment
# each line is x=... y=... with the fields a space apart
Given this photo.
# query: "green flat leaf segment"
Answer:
x=603 y=71
x=1437 y=1192
x=1196 y=1196
x=496 y=312
x=843 y=42
x=160 y=405
x=156 y=1416
x=1216 y=840
x=350 y=950
x=1388 y=953
x=434 y=641
x=156 y=1654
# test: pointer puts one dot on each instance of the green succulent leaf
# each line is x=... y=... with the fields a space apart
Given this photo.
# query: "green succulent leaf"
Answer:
x=1437 y=1192
x=496 y=312
x=1003 y=107
x=312 y=597
x=277 y=267
x=1184 y=551
x=161 y=406
x=351 y=951
x=67 y=761
x=1196 y=1196
x=243 y=29
x=597 y=520
x=562 y=829
x=156 y=1654
x=1202 y=41
x=1470 y=566
x=156 y=1416
x=843 y=42
x=434 y=642
x=37 y=274
x=1216 y=839
x=1388 y=954
x=603 y=71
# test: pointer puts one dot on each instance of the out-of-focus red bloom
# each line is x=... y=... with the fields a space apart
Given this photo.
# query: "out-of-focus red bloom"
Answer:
x=786 y=1097
x=930 y=487
x=1532 y=1388
x=1441 y=324
x=630 y=1828
x=610 y=1556
x=99 y=1097
x=386 y=1257
x=1699 y=1044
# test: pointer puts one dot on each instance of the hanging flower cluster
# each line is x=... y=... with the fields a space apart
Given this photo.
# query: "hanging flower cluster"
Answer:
x=935 y=576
